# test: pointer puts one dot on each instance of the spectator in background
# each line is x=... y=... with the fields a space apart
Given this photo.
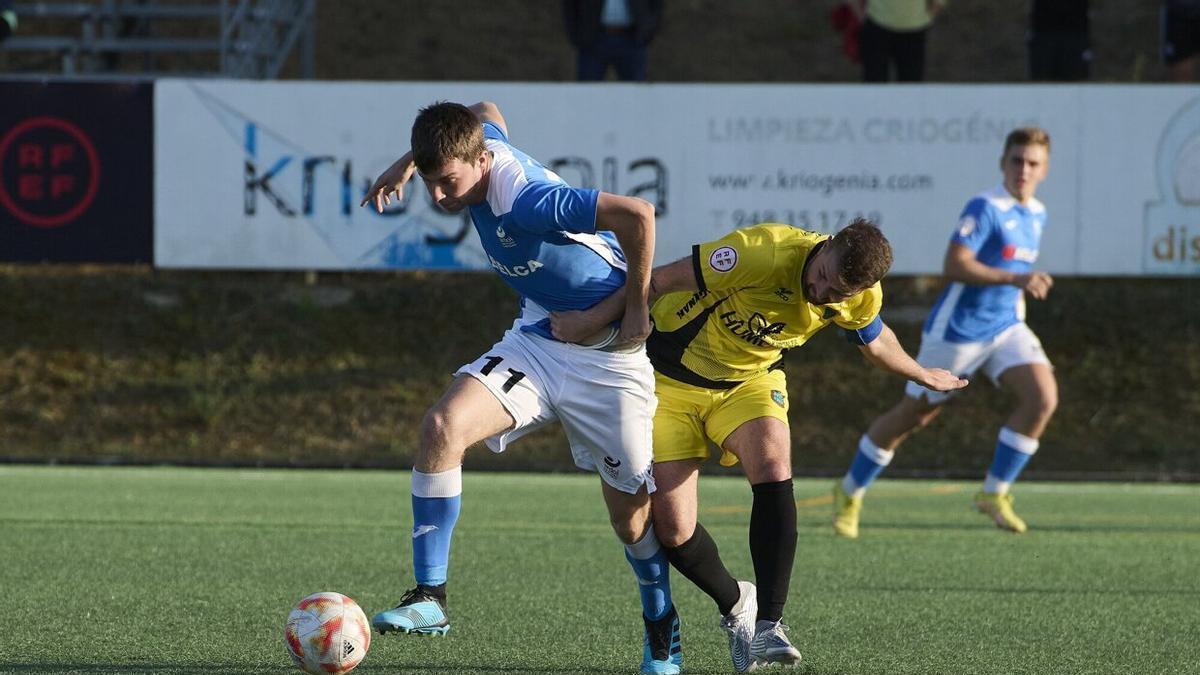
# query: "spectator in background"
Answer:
x=612 y=33
x=1181 y=38
x=1059 y=42
x=893 y=32
x=8 y=19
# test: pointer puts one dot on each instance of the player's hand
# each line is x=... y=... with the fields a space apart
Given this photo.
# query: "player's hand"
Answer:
x=390 y=182
x=1036 y=284
x=939 y=379
x=635 y=326
x=574 y=325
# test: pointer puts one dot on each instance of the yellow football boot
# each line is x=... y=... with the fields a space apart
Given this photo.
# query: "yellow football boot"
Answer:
x=845 y=512
x=999 y=507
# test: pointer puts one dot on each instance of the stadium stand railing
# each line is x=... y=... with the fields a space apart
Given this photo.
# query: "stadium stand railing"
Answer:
x=253 y=39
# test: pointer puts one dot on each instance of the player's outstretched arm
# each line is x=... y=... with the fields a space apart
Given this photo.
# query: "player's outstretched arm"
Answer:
x=885 y=352
x=487 y=111
x=574 y=326
x=961 y=265
x=390 y=182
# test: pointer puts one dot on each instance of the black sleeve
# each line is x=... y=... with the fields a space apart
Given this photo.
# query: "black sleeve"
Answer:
x=696 y=268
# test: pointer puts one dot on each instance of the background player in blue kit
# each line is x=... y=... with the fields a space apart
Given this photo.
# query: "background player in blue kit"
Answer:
x=561 y=248
x=979 y=322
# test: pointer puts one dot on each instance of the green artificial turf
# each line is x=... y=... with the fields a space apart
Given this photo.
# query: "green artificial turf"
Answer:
x=170 y=570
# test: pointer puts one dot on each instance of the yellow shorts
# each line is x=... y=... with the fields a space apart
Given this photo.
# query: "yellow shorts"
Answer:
x=688 y=416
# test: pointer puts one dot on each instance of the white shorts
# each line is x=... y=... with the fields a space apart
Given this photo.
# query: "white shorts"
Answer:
x=604 y=400
x=1014 y=346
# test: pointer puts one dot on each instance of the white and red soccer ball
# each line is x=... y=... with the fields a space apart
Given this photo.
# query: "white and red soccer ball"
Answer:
x=327 y=634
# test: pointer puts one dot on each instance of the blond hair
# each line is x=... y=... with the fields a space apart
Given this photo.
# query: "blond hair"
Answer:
x=1027 y=136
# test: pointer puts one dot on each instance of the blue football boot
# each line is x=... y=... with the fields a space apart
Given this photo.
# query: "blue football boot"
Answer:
x=420 y=612
x=661 y=651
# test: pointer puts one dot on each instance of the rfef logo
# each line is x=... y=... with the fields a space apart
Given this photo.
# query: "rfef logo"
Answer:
x=723 y=259
x=49 y=172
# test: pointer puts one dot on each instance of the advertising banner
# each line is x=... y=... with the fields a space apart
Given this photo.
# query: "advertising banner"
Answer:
x=76 y=179
x=270 y=174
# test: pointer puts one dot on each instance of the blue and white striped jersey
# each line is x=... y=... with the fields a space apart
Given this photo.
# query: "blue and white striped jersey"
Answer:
x=1003 y=234
x=540 y=236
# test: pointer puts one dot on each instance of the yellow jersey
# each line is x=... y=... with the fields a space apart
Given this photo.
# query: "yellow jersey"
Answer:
x=749 y=309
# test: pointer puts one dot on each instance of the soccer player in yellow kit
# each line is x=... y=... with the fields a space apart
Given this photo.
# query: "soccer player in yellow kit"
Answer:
x=723 y=318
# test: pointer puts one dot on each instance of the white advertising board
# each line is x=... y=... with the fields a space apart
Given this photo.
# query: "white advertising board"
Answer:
x=264 y=175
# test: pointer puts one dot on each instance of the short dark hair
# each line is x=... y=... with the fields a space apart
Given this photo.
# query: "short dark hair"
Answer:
x=865 y=255
x=444 y=131
x=1026 y=136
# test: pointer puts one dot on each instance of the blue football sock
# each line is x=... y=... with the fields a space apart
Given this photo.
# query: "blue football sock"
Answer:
x=436 y=499
x=1013 y=451
x=649 y=562
x=868 y=463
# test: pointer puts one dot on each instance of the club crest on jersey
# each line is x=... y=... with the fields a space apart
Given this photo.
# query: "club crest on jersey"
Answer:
x=505 y=240
x=723 y=259
x=515 y=270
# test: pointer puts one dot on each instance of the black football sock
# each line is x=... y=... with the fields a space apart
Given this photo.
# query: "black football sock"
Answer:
x=773 y=545
x=698 y=560
x=438 y=592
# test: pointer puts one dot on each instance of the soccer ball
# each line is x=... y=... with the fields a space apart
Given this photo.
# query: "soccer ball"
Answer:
x=327 y=633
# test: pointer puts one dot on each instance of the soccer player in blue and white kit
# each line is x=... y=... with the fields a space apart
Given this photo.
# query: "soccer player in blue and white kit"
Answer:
x=978 y=322
x=561 y=248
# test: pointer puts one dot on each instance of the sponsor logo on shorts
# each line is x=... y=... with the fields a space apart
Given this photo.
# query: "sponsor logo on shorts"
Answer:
x=723 y=259
x=611 y=465
x=779 y=397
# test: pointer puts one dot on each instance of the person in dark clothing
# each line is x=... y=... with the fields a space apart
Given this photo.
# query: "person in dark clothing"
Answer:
x=8 y=19
x=1059 y=41
x=1181 y=39
x=893 y=34
x=612 y=33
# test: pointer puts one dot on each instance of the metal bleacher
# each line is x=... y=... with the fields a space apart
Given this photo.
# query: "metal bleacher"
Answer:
x=253 y=39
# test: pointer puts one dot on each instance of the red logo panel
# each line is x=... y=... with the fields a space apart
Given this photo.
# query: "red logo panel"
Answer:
x=49 y=172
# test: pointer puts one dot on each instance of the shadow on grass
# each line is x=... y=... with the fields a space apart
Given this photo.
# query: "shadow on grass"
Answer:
x=1035 y=527
x=1046 y=590
x=242 y=669
x=156 y=669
